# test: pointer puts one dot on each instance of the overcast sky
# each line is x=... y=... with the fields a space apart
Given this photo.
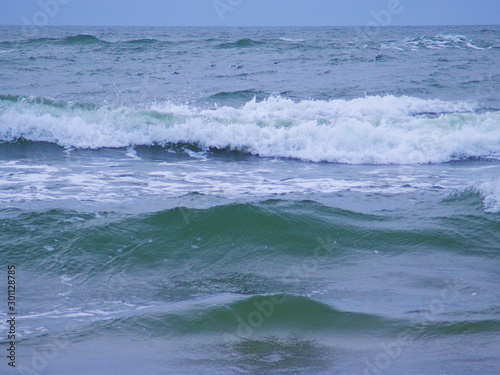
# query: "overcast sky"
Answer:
x=250 y=12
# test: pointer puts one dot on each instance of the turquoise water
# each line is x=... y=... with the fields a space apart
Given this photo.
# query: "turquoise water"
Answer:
x=256 y=201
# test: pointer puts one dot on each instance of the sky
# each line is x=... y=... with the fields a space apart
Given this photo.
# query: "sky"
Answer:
x=249 y=12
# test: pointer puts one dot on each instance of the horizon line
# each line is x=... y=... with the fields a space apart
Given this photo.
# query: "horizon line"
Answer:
x=236 y=26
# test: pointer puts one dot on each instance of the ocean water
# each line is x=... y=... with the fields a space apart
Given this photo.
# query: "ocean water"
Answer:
x=251 y=200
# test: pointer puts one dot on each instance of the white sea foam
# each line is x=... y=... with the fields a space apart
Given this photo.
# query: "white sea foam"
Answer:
x=438 y=42
x=371 y=130
x=292 y=40
x=491 y=193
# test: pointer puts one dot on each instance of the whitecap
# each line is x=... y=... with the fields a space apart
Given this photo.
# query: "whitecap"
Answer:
x=370 y=130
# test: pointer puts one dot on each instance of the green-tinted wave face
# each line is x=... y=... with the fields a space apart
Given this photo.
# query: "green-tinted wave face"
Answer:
x=236 y=318
x=286 y=276
x=236 y=233
x=82 y=39
x=303 y=252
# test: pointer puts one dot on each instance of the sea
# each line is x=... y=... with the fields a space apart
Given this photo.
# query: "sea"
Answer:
x=226 y=200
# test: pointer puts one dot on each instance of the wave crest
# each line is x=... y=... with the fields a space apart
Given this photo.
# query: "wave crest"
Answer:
x=241 y=43
x=82 y=39
x=371 y=130
x=491 y=193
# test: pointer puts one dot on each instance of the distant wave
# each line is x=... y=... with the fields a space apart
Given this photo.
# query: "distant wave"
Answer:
x=69 y=40
x=82 y=39
x=243 y=94
x=432 y=42
x=142 y=41
x=292 y=40
x=242 y=43
x=11 y=43
x=371 y=130
x=438 y=42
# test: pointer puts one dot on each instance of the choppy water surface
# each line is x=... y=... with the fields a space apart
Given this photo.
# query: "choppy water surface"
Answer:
x=257 y=201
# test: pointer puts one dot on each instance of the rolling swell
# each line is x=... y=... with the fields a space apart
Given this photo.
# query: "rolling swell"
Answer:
x=231 y=236
x=422 y=42
x=241 y=43
x=82 y=39
x=246 y=95
x=142 y=41
x=47 y=102
x=222 y=314
x=86 y=39
x=234 y=318
x=201 y=272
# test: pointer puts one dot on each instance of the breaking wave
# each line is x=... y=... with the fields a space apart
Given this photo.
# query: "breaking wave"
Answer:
x=370 y=130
